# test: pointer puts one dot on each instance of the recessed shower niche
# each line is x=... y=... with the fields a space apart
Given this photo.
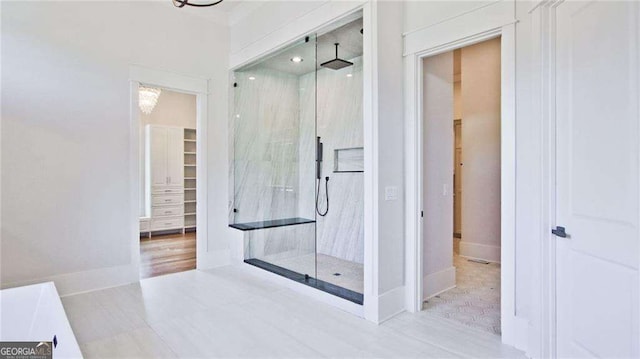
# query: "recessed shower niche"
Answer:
x=294 y=111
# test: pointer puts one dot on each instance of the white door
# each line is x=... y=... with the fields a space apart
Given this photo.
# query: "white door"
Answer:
x=175 y=156
x=597 y=179
x=158 y=155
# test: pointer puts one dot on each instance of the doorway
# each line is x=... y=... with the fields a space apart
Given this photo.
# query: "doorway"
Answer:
x=168 y=180
x=461 y=183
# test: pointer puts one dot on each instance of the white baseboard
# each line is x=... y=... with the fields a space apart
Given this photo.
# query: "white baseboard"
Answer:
x=486 y=252
x=522 y=334
x=515 y=332
x=86 y=281
x=391 y=303
x=438 y=282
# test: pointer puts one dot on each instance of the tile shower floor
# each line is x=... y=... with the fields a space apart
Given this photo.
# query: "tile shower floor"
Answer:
x=475 y=301
x=343 y=273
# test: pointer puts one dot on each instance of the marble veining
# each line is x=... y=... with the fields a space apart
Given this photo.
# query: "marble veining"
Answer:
x=266 y=137
x=340 y=125
x=276 y=119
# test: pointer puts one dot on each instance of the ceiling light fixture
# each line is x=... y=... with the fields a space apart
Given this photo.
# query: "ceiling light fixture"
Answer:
x=182 y=3
x=297 y=59
x=148 y=98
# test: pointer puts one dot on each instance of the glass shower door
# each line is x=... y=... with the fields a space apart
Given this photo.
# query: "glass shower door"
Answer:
x=273 y=124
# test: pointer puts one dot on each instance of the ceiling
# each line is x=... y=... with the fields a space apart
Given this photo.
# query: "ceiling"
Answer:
x=348 y=36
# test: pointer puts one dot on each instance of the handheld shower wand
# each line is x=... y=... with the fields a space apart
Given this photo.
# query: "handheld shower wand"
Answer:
x=318 y=158
x=319 y=178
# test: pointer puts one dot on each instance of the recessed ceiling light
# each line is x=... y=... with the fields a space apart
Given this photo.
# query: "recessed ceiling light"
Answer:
x=251 y=78
x=296 y=59
x=349 y=75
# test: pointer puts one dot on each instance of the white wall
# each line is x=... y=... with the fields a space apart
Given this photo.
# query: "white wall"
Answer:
x=437 y=267
x=419 y=14
x=480 y=70
x=389 y=145
x=173 y=109
x=66 y=132
x=255 y=26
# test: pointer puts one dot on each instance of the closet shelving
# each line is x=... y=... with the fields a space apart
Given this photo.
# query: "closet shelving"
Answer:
x=189 y=179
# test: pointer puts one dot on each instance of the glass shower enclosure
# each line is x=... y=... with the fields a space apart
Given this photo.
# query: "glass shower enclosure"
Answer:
x=283 y=170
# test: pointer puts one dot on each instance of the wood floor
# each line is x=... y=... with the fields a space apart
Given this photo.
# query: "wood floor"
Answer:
x=166 y=254
x=229 y=312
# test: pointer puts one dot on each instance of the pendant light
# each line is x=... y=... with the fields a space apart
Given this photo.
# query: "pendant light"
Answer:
x=148 y=98
x=182 y=3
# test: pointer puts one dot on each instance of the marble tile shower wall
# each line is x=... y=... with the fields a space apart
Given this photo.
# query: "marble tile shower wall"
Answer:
x=266 y=164
x=340 y=125
x=265 y=146
x=273 y=151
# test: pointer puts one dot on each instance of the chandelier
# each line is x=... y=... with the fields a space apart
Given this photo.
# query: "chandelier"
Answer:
x=182 y=3
x=148 y=97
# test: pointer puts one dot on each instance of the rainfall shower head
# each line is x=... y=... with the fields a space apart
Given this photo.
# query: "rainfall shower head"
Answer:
x=336 y=64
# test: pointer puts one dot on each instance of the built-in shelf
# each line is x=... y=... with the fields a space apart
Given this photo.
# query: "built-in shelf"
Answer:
x=189 y=168
x=251 y=226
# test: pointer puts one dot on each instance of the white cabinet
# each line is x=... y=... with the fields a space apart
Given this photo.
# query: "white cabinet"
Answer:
x=157 y=155
x=167 y=211
x=175 y=156
x=165 y=200
x=165 y=156
x=165 y=176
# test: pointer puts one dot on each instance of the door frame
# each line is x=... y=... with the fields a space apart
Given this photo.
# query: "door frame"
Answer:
x=184 y=84
x=429 y=42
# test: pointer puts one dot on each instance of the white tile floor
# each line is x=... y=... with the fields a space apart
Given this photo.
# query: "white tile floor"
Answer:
x=228 y=312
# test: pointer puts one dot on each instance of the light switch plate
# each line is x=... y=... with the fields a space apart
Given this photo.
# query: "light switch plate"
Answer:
x=391 y=193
